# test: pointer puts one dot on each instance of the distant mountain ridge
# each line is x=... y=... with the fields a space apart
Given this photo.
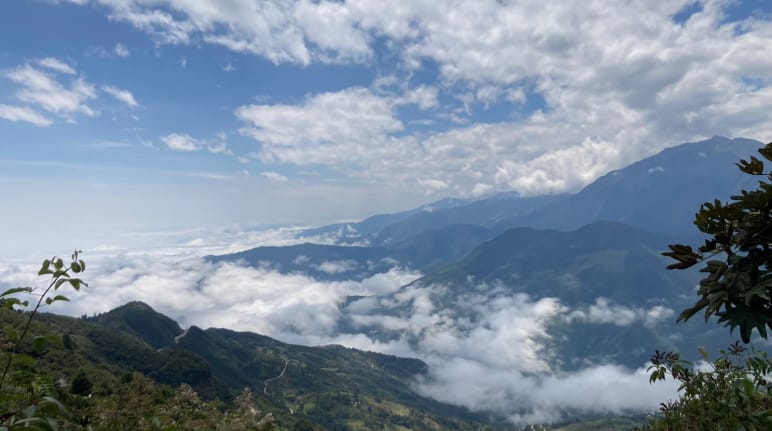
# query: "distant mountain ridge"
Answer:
x=595 y=255
x=659 y=194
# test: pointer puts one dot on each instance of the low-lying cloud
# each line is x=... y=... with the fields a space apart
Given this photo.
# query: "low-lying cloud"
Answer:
x=487 y=349
x=605 y=311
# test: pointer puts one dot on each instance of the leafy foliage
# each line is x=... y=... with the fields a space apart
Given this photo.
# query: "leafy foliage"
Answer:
x=733 y=394
x=738 y=287
x=28 y=399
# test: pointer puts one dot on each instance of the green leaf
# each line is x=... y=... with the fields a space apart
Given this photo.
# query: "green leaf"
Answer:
x=44 y=268
x=766 y=151
x=754 y=167
x=9 y=303
x=745 y=332
x=76 y=283
x=16 y=290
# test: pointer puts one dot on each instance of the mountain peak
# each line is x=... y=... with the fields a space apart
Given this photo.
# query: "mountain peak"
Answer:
x=141 y=320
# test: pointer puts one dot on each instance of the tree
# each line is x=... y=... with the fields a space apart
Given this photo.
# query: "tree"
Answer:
x=732 y=392
x=737 y=257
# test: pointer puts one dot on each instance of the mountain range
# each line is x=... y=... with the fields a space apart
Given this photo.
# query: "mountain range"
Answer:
x=596 y=254
x=507 y=285
x=305 y=388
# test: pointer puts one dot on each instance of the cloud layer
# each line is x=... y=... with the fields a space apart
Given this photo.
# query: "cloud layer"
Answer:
x=487 y=349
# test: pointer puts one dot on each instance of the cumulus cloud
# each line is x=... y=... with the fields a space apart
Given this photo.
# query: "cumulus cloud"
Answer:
x=328 y=128
x=425 y=97
x=592 y=88
x=432 y=185
x=124 y=96
x=181 y=142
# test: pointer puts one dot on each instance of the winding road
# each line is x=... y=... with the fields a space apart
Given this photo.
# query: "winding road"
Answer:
x=265 y=384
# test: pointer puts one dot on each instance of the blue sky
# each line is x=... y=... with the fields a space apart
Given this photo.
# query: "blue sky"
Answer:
x=125 y=116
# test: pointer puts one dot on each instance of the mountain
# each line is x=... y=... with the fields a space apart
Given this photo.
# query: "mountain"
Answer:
x=358 y=232
x=606 y=259
x=487 y=213
x=324 y=262
x=659 y=194
x=319 y=388
x=569 y=281
x=139 y=319
x=428 y=250
x=618 y=303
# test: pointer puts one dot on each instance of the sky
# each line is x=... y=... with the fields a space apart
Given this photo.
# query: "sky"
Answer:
x=149 y=115
x=150 y=133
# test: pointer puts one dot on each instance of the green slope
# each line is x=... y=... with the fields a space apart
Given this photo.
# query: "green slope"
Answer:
x=324 y=388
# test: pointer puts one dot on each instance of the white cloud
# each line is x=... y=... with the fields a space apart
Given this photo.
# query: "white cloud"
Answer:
x=328 y=128
x=337 y=266
x=19 y=113
x=603 y=389
x=481 y=189
x=605 y=311
x=56 y=65
x=274 y=177
x=424 y=97
x=185 y=142
x=219 y=147
x=45 y=91
x=612 y=82
x=432 y=185
x=181 y=142
x=489 y=351
x=124 y=96
x=121 y=51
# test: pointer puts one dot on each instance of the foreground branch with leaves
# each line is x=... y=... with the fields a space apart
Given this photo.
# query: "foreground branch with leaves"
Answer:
x=737 y=256
x=26 y=399
x=731 y=393
x=39 y=398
